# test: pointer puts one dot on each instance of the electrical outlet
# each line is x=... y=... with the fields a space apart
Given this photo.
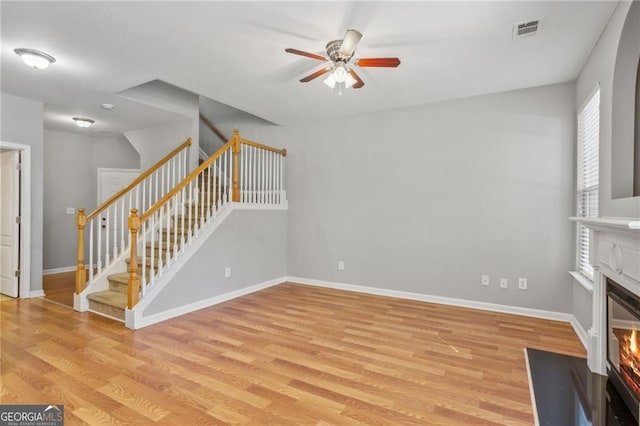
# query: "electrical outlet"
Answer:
x=503 y=283
x=485 y=280
x=340 y=265
x=522 y=283
x=71 y=210
x=227 y=272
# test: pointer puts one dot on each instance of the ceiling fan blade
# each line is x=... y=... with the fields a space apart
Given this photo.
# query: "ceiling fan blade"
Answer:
x=350 y=42
x=307 y=54
x=378 y=62
x=359 y=83
x=315 y=75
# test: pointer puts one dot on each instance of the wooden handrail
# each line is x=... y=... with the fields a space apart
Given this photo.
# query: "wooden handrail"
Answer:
x=137 y=180
x=185 y=182
x=283 y=151
x=213 y=128
x=234 y=140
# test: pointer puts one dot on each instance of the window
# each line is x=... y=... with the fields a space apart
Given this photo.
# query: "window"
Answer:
x=587 y=193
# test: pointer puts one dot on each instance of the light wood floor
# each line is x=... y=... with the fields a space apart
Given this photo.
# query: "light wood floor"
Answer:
x=60 y=287
x=290 y=354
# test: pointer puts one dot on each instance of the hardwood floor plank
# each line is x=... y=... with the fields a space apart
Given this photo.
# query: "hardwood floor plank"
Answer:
x=287 y=355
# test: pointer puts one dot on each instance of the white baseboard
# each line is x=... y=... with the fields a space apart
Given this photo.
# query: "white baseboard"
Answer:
x=581 y=332
x=36 y=293
x=485 y=306
x=134 y=321
x=61 y=270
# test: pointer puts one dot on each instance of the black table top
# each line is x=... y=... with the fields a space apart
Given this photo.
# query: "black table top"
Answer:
x=567 y=393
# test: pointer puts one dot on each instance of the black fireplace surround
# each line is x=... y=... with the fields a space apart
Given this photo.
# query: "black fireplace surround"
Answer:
x=623 y=344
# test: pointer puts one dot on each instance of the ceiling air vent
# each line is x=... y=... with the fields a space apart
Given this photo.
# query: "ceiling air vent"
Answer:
x=525 y=29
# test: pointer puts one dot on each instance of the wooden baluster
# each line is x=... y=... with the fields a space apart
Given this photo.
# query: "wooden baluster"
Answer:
x=190 y=221
x=91 y=267
x=182 y=217
x=149 y=279
x=168 y=242
x=282 y=192
x=115 y=229
x=234 y=166
x=99 y=248
x=271 y=172
x=209 y=191
x=122 y=244
x=176 y=212
x=133 y=289
x=201 y=199
x=160 y=238
x=254 y=177
x=107 y=258
x=81 y=273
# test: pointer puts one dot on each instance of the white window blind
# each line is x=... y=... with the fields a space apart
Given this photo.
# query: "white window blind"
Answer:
x=587 y=191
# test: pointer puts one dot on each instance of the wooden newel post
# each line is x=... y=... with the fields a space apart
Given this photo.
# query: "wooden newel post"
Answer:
x=235 y=195
x=133 y=289
x=81 y=272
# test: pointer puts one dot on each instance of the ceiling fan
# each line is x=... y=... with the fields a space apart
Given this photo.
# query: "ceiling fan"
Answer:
x=340 y=54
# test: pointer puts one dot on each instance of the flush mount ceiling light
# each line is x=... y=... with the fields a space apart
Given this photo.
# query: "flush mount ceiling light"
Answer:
x=83 y=122
x=35 y=58
x=108 y=106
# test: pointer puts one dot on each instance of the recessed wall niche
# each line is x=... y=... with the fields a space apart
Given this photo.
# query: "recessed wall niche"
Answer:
x=625 y=121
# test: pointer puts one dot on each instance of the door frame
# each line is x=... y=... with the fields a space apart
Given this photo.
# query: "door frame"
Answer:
x=25 y=216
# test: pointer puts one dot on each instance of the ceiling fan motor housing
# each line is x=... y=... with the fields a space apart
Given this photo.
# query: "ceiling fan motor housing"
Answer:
x=333 y=52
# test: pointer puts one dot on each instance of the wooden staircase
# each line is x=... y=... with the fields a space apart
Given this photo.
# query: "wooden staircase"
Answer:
x=143 y=230
x=113 y=302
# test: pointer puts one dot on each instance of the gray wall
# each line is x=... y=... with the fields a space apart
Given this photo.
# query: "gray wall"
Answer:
x=251 y=242
x=227 y=118
x=153 y=143
x=624 y=111
x=599 y=69
x=70 y=180
x=428 y=199
x=22 y=122
x=582 y=306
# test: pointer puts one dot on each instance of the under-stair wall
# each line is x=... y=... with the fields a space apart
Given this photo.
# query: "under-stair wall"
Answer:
x=251 y=242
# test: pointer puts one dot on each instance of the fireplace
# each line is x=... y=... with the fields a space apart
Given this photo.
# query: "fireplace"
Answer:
x=623 y=348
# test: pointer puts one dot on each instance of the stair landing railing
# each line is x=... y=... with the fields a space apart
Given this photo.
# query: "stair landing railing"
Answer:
x=241 y=171
x=107 y=225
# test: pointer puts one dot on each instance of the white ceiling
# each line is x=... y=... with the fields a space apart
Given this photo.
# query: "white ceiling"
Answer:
x=233 y=52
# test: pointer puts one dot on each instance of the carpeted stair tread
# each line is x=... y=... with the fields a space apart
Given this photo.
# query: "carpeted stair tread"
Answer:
x=109 y=297
x=122 y=278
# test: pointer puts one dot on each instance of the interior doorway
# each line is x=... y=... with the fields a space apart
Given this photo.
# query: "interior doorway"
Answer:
x=15 y=219
x=9 y=222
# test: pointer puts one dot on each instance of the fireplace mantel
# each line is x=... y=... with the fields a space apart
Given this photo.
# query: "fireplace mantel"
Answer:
x=614 y=252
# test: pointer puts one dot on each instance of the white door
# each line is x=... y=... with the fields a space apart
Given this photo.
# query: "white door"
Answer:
x=111 y=181
x=9 y=227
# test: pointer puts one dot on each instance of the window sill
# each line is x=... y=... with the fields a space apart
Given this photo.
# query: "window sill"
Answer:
x=582 y=280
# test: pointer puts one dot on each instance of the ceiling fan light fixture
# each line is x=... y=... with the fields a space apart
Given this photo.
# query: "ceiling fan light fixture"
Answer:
x=340 y=73
x=330 y=80
x=83 y=122
x=349 y=80
x=35 y=58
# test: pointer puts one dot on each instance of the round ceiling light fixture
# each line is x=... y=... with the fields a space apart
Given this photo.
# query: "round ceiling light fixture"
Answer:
x=35 y=58
x=83 y=122
x=108 y=107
